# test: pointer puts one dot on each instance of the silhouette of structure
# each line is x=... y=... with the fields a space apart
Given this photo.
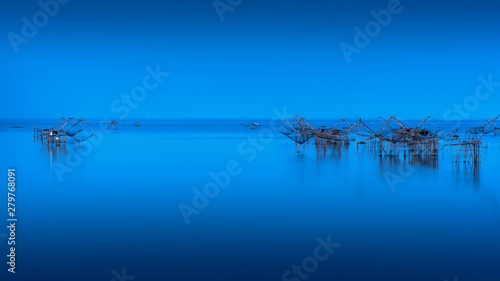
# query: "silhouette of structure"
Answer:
x=250 y=124
x=75 y=129
x=391 y=136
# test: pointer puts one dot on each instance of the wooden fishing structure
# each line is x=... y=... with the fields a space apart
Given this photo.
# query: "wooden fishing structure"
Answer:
x=391 y=136
x=65 y=129
x=334 y=137
x=112 y=125
x=467 y=147
x=394 y=136
x=299 y=130
x=250 y=124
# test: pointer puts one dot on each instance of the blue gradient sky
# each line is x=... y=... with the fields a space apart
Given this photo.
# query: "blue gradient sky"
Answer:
x=264 y=55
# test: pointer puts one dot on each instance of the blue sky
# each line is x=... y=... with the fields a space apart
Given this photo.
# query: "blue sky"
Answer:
x=261 y=56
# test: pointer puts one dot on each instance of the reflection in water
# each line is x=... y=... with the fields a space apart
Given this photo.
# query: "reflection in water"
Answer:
x=66 y=159
x=392 y=169
x=352 y=167
x=329 y=154
x=396 y=170
x=300 y=172
x=468 y=173
x=425 y=161
x=57 y=154
x=417 y=160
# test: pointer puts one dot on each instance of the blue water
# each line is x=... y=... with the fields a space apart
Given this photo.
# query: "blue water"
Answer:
x=86 y=212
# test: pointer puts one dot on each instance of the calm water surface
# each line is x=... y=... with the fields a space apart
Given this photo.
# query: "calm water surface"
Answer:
x=85 y=211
